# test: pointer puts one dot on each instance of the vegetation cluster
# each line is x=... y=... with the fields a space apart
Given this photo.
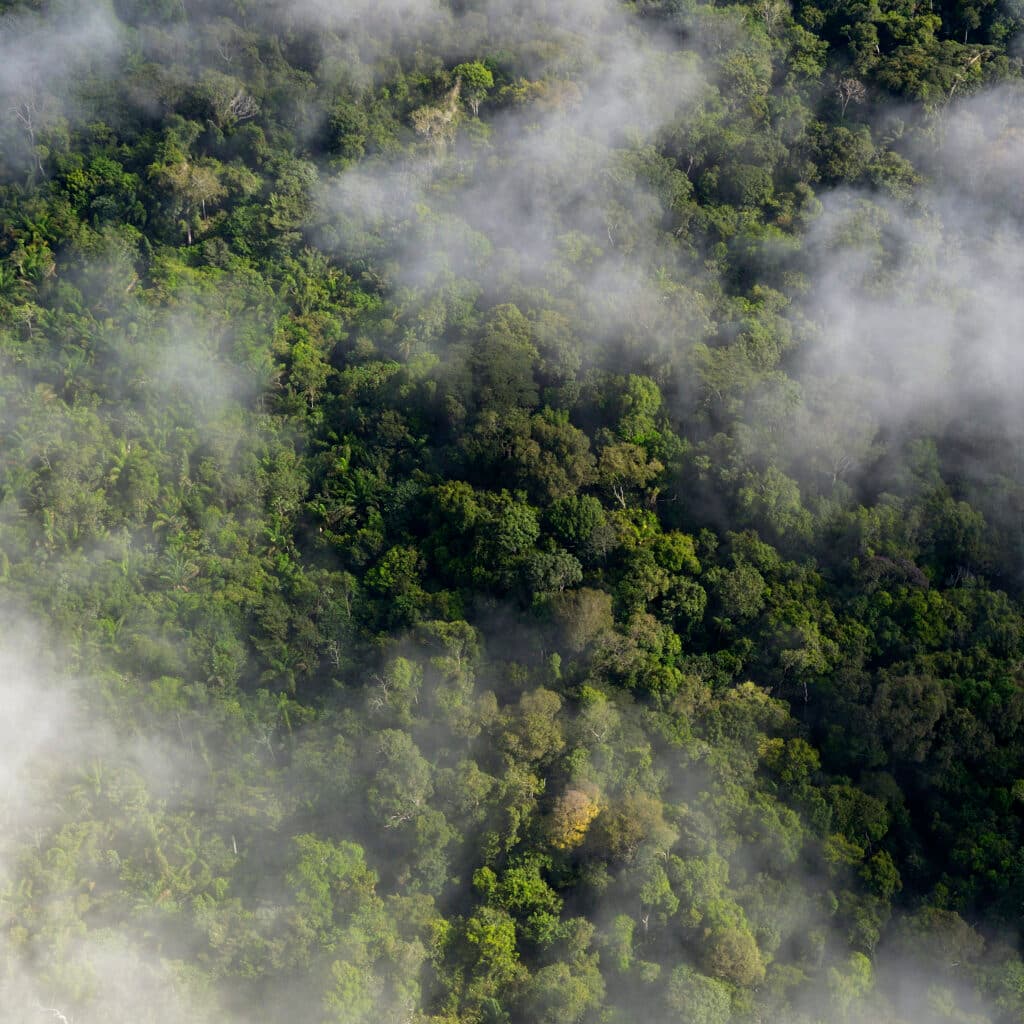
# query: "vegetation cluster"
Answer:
x=485 y=606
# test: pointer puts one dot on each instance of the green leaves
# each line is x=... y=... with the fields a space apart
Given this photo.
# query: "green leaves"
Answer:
x=485 y=562
x=476 y=80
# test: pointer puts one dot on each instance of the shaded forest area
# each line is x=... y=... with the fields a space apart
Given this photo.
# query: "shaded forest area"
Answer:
x=511 y=512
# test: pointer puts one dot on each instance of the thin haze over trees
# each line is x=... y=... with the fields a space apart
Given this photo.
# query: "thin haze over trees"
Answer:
x=511 y=512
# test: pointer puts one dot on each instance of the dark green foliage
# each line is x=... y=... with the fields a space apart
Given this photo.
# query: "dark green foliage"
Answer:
x=522 y=629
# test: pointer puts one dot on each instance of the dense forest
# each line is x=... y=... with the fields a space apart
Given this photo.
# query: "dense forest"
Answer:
x=511 y=512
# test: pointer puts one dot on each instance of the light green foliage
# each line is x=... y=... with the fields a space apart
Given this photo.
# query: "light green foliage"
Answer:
x=330 y=883
x=491 y=934
x=477 y=81
x=848 y=986
x=731 y=954
x=489 y=597
x=526 y=896
x=533 y=731
x=697 y=998
x=560 y=994
x=402 y=783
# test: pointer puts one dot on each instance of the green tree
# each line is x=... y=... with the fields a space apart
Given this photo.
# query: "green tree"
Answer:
x=402 y=784
x=477 y=81
x=697 y=998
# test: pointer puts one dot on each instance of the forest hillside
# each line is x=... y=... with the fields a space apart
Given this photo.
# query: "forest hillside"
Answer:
x=511 y=512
